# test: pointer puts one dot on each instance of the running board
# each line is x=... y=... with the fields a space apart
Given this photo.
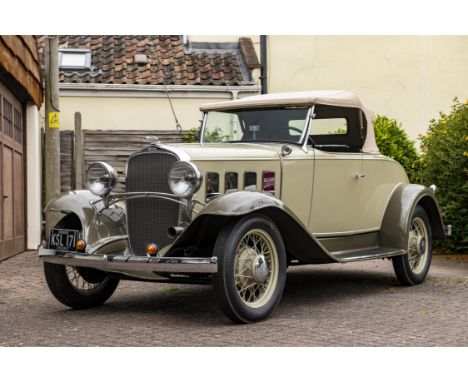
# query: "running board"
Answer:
x=367 y=254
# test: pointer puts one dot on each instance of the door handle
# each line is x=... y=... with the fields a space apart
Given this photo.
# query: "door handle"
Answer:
x=360 y=175
x=5 y=196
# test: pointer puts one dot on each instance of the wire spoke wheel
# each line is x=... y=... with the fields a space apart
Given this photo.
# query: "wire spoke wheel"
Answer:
x=412 y=268
x=418 y=249
x=251 y=268
x=80 y=284
x=256 y=268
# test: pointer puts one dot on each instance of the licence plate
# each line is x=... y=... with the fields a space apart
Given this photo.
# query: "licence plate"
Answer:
x=63 y=239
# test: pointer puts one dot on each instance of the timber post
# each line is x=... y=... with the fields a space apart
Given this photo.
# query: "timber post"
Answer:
x=79 y=154
x=52 y=123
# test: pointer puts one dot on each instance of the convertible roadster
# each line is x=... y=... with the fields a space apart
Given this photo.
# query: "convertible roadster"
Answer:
x=275 y=180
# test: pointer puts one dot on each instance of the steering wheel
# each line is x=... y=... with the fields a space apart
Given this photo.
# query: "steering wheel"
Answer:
x=295 y=129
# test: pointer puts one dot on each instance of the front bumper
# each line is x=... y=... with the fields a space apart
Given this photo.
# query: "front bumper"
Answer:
x=122 y=263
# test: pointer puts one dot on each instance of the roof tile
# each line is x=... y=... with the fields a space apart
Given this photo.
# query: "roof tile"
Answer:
x=112 y=61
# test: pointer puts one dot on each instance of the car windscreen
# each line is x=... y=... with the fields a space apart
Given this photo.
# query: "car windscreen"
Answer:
x=284 y=124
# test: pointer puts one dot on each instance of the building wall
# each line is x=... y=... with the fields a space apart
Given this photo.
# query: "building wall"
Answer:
x=20 y=69
x=100 y=113
x=33 y=177
x=410 y=78
x=138 y=110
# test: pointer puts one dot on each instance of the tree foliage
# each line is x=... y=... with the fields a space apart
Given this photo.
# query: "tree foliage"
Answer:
x=393 y=142
x=444 y=162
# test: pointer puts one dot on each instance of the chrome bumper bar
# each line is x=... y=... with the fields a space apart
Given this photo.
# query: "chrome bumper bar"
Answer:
x=121 y=263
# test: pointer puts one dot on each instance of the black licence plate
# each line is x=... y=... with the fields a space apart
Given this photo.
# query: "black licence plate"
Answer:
x=63 y=239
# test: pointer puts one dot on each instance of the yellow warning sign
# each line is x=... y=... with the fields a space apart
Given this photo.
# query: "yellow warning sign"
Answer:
x=54 y=120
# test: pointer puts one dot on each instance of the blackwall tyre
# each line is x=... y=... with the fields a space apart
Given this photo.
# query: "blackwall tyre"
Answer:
x=251 y=268
x=79 y=288
x=412 y=268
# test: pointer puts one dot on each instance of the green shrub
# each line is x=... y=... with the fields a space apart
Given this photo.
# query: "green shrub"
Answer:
x=444 y=162
x=191 y=135
x=393 y=142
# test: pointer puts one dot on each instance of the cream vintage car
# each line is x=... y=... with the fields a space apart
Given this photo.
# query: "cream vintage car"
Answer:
x=276 y=180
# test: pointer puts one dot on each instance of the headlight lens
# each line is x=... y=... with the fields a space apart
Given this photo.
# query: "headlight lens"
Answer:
x=184 y=179
x=101 y=178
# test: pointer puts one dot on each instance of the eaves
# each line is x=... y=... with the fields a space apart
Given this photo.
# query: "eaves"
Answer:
x=156 y=91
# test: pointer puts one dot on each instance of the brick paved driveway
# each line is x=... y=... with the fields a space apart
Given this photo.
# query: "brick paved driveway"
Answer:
x=352 y=304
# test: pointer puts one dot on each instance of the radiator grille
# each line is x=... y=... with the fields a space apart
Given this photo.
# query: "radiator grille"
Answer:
x=149 y=218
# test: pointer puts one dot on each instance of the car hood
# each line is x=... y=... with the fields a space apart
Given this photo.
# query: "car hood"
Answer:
x=230 y=151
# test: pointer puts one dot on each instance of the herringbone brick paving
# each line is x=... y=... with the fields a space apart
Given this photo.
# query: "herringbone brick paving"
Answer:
x=358 y=304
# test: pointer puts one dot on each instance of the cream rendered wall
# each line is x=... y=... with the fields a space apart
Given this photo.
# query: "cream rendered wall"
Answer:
x=33 y=177
x=123 y=113
x=410 y=78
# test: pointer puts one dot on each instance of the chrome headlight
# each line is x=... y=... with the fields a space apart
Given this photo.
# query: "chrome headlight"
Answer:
x=184 y=179
x=101 y=178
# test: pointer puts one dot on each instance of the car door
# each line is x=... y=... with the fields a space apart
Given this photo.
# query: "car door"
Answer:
x=336 y=193
x=335 y=135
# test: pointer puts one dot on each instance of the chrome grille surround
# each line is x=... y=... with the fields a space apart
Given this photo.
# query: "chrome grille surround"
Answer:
x=149 y=218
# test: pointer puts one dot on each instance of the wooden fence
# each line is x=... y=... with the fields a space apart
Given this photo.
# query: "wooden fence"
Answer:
x=80 y=148
x=115 y=146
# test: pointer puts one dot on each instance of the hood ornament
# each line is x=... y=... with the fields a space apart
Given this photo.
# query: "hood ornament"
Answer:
x=154 y=140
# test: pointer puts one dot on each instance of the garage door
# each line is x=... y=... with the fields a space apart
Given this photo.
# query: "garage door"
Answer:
x=12 y=214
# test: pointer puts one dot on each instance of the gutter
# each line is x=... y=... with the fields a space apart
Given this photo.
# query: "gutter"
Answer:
x=156 y=91
x=263 y=61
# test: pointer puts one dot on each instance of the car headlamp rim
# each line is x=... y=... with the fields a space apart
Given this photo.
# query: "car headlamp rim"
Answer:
x=112 y=176
x=194 y=186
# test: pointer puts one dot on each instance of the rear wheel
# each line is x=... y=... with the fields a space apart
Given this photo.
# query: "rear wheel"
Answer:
x=251 y=268
x=79 y=287
x=412 y=268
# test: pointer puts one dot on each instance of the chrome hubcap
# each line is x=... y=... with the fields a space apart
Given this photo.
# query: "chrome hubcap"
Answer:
x=421 y=245
x=256 y=268
x=417 y=245
x=260 y=269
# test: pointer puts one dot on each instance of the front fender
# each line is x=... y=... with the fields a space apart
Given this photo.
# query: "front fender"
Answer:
x=96 y=228
x=205 y=227
x=397 y=217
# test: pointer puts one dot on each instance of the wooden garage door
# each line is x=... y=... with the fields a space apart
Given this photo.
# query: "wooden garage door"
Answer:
x=12 y=221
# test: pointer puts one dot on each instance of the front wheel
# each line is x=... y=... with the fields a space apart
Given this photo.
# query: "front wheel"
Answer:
x=79 y=287
x=412 y=268
x=251 y=268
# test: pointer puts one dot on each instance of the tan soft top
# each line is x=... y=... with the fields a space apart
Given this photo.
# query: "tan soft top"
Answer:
x=304 y=98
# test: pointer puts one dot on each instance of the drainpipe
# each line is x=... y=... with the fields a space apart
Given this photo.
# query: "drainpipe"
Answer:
x=263 y=59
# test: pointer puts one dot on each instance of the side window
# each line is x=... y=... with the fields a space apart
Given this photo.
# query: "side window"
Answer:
x=338 y=129
x=330 y=126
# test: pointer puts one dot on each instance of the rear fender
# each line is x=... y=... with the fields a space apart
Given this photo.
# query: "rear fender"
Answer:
x=397 y=217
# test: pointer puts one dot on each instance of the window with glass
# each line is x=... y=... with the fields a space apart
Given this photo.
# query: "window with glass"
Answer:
x=285 y=124
x=75 y=59
x=337 y=128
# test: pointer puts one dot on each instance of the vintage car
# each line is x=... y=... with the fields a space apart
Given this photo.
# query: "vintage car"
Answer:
x=275 y=180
